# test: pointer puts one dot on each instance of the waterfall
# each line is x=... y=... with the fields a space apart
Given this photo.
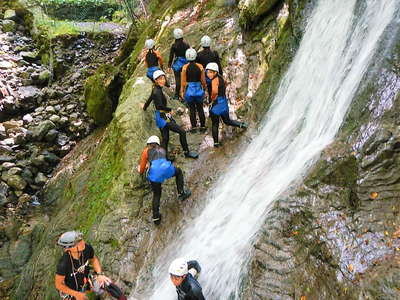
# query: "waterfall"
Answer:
x=337 y=48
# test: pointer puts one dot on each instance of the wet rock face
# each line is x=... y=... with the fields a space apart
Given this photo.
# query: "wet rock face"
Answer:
x=337 y=237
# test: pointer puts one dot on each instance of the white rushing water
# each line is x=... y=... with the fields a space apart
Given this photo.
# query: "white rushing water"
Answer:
x=339 y=42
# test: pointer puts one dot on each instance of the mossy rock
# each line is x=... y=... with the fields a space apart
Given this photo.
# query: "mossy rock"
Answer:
x=102 y=91
x=252 y=10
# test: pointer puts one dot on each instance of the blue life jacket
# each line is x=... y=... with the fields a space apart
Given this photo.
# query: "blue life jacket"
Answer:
x=160 y=122
x=150 y=72
x=179 y=63
x=221 y=107
x=194 y=92
x=160 y=170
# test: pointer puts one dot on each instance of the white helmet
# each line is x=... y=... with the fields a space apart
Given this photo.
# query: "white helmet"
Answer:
x=178 y=33
x=150 y=44
x=157 y=74
x=191 y=54
x=178 y=267
x=213 y=67
x=153 y=140
x=205 y=41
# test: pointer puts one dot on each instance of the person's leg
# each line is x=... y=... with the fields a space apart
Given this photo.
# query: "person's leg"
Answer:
x=179 y=180
x=183 y=193
x=182 y=134
x=228 y=121
x=192 y=114
x=200 y=111
x=177 y=83
x=165 y=138
x=214 y=129
x=156 y=187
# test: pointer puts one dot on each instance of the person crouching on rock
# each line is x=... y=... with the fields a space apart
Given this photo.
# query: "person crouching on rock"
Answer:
x=219 y=102
x=153 y=159
x=183 y=275
x=163 y=116
x=73 y=279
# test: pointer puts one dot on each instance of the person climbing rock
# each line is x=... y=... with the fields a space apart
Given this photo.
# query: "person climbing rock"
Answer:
x=154 y=159
x=183 y=275
x=177 y=58
x=219 y=103
x=152 y=59
x=206 y=56
x=73 y=278
x=193 y=85
x=163 y=115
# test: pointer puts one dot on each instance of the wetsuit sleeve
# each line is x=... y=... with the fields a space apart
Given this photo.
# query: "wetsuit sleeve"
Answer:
x=214 y=88
x=193 y=264
x=146 y=105
x=158 y=100
x=143 y=160
x=171 y=56
x=198 y=293
x=62 y=267
x=160 y=60
x=203 y=76
x=183 y=80
x=217 y=60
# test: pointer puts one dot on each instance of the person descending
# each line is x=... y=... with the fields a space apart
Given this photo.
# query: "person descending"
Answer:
x=73 y=278
x=219 y=102
x=206 y=56
x=152 y=59
x=177 y=58
x=192 y=89
x=163 y=117
x=160 y=169
x=183 y=275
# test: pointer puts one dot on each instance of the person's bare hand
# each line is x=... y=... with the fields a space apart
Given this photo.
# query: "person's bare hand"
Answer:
x=103 y=280
x=141 y=105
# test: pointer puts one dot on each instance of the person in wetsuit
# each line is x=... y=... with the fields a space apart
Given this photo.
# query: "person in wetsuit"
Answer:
x=193 y=89
x=163 y=117
x=154 y=158
x=177 y=58
x=183 y=275
x=152 y=59
x=206 y=56
x=73 y=279
x=219 y=103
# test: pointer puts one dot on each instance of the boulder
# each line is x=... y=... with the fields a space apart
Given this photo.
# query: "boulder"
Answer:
x=40 y=179
x=252 y=10
x=9 y=26
x=27 y=118
x=50 y=157
x=29 y=92
x=24 y=198
x=16 y=182
x=4 y=189
x=6 y=65
x=29 y=56
x=12 y=124
x=6 y=158
x=40 y=131
x=44 y=76
x=51 y=136
x=10 y=14
x=55 y=118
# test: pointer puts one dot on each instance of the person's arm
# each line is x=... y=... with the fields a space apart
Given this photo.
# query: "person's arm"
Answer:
x=146 y=105
x=193 y=264
x=160 y=60
x=144 y=158
x=203 y=76
x=183 y=80
x=144 y=57
x=214 y=89
x=158 y=100
x=101 y=278
x=62 y=287
x=218 y=63
x=171 y=56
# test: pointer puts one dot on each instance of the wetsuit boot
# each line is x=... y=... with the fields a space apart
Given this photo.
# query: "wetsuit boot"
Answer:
x=157 y=219
x=191 y=154
x=184 y=195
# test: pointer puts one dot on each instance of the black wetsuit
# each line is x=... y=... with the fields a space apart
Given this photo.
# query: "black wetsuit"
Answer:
x=178 y=49
x=157 y=153
x=190 y=289
x=160 y=103
x=225 y=118
x=193 y=74
x=151 y=59
x=206 y=56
